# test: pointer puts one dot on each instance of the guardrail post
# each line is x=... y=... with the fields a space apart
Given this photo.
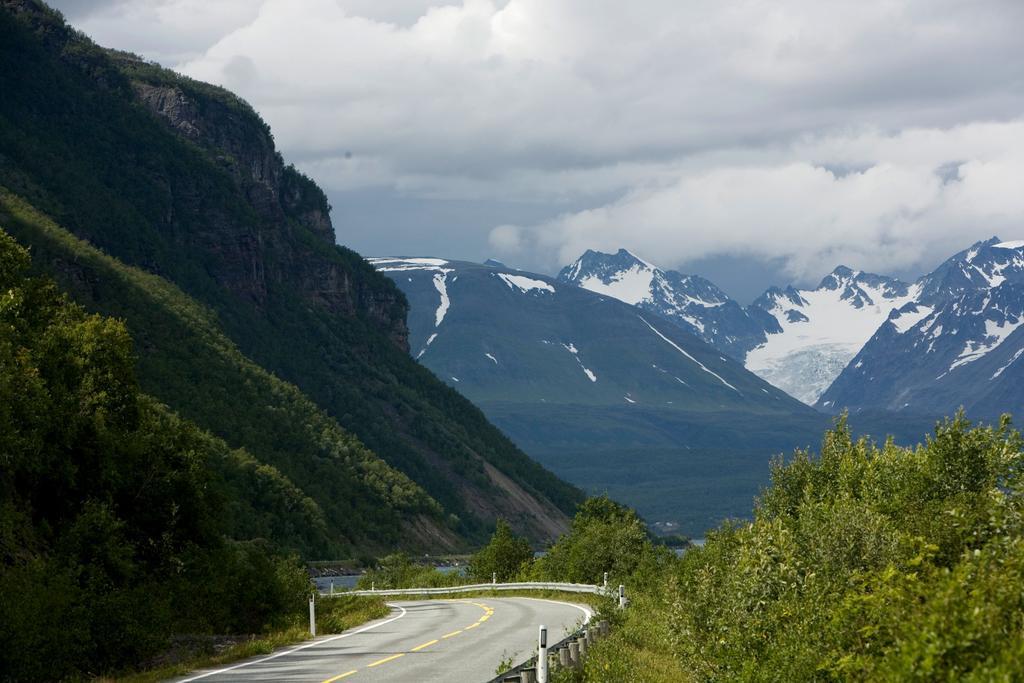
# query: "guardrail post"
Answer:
x=564 y=660
x=574 y=653
x=312 y=615
x=542 y=655
x=622 y=596
x=582 y=640
x=527 y=676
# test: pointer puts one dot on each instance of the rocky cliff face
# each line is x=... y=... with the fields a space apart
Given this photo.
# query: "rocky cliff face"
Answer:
x=282 y=243
x=181 y=179
x=285 y=202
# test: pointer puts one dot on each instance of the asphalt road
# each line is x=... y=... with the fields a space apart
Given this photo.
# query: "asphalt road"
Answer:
x=424 y=640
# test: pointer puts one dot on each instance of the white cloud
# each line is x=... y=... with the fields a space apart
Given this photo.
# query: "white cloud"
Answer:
x=917 y=197
x=813 y=131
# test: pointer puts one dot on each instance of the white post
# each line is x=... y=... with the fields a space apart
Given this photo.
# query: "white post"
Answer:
x=373 y=586
x=542 y=656
x=312 y=616
x=494 y=578
x=622 y=596
x=332 y=586
x=606 y=580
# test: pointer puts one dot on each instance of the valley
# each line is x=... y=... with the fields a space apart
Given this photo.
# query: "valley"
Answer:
x=269 y=411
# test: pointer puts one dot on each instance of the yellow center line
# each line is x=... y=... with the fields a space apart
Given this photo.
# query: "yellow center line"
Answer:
x=488 y=611
x=420 y=647
x=386 y=659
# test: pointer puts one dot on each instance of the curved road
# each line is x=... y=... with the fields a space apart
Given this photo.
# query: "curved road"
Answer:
x=424 y=640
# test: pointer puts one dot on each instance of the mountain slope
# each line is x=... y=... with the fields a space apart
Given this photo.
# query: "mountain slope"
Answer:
x=695 y=304
x=117 y=516
x=357 y=500
x=504 y=335
x=600 y=392
x=821 y=329
x=799 y=340
x=181 y=179
x=958 y=344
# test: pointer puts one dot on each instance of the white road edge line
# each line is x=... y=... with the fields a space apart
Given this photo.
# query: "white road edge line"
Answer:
x=313 y=643
x=588 y=613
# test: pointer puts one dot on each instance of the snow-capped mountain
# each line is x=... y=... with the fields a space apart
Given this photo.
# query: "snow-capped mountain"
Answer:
x=983 y=266
x=592 y=386
x=498 y=333
x=799 y=340
x=956 y=344
x=692 y=302
x=821 y=329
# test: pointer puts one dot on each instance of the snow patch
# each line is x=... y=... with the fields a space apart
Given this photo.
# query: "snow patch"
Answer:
x=390 y=264
x=1016 y=244
x=906 y=320
x=525 y=284
x=629 y=399
x=442 y=289
x=630 y=286
x=680 y=350
x=1012 y=361
x=995 y=334
x=571 y=348
x=492 y=358
x=430 y=340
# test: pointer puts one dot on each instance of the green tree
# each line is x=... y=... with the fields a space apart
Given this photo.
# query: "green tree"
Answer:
x=112 y=533
x=503 y=556
x=605 y=537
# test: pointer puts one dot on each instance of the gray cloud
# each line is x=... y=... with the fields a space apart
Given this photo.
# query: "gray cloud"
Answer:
x=799 y=132
x=80 y=9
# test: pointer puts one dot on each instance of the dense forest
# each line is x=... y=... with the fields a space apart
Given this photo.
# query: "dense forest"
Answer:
x=114 y=512
x=179 y=182
x=199 y=390
x=323 y=494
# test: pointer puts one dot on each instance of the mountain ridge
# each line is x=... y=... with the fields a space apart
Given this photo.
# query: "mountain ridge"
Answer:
x=180 y=179
x=788 y=336
x=609 y=396
x=955 y=345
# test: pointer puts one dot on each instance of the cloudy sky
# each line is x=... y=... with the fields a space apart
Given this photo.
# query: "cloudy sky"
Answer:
x=755 y=142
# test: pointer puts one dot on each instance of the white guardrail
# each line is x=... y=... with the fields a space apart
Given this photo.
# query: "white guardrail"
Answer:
x=471 y=588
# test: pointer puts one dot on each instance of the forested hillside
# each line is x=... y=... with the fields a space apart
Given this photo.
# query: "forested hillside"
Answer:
x=181 y=180
x=864 y=562
x=120 y=523
x=339 y=497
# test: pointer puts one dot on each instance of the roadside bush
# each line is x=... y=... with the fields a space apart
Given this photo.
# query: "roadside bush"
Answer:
x=399 y=571
x=605 y=537
x=505 y=556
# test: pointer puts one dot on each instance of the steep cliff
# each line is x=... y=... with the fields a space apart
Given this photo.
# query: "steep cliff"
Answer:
x=181 y=179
